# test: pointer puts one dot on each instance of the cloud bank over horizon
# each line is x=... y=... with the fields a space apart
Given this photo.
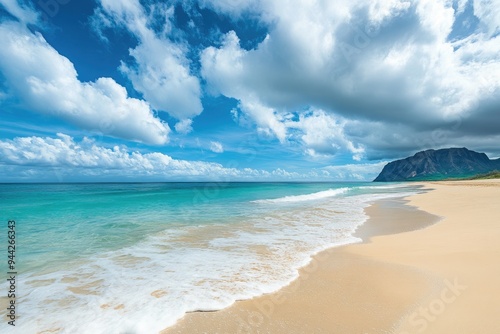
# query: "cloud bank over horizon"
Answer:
x=314 y=83
x=64 y=158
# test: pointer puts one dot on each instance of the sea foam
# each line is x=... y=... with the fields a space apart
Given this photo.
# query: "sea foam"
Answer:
x=147 y=287
x=308 y=197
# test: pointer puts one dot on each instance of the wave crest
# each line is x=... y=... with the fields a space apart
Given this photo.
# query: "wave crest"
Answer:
x=303 y=198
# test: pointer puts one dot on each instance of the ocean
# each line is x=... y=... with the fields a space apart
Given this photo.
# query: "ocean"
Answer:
x=135 y=257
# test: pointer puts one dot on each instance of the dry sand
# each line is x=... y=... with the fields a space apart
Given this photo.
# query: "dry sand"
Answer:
x=408 y=277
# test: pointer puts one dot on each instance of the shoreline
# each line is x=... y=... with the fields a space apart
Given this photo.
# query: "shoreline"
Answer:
x=385 y=218
x=256 y=310
x=400 y=279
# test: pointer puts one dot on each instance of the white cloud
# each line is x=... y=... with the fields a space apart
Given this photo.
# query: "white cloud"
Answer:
x=24 y=14
x=36 y=157
x=488 y=11
x=359 y=172
x=268 y=120
x=461 y=5
x=184 y=127
x=322 y=134
x=328 y=75
x=232 y=7
x=64 y=151
x=216 y=147
x=223 y=66
x=283 y=173
x=46 y=82
x=161 y=69
x=400 y=67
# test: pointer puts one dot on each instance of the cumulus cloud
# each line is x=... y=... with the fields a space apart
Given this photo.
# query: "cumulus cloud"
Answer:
x=216 y=147
x=22 y=12
x=379 y=61
x=372 y=79
x=232 y=7
x=65 y=151
x=70 y=159
x=358 y=172
x=47 y=82
x=160 y=70
x=184 y=126
x=461 y=4
x=488 y=11
x=322 y=134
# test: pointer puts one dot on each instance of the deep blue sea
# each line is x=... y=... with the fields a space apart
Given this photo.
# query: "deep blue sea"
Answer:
x=135 y=257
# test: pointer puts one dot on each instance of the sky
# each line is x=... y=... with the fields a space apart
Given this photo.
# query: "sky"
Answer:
x=235 y=90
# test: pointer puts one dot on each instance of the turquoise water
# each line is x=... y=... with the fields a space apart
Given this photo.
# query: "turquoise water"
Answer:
x=83 y=249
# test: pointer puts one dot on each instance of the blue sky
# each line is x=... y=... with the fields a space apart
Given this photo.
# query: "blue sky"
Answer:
x=129 y=90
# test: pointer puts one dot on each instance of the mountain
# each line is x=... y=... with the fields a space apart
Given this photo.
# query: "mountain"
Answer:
x=437 y=165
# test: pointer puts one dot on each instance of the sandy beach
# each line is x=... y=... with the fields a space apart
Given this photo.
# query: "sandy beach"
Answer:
x=429 y=264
